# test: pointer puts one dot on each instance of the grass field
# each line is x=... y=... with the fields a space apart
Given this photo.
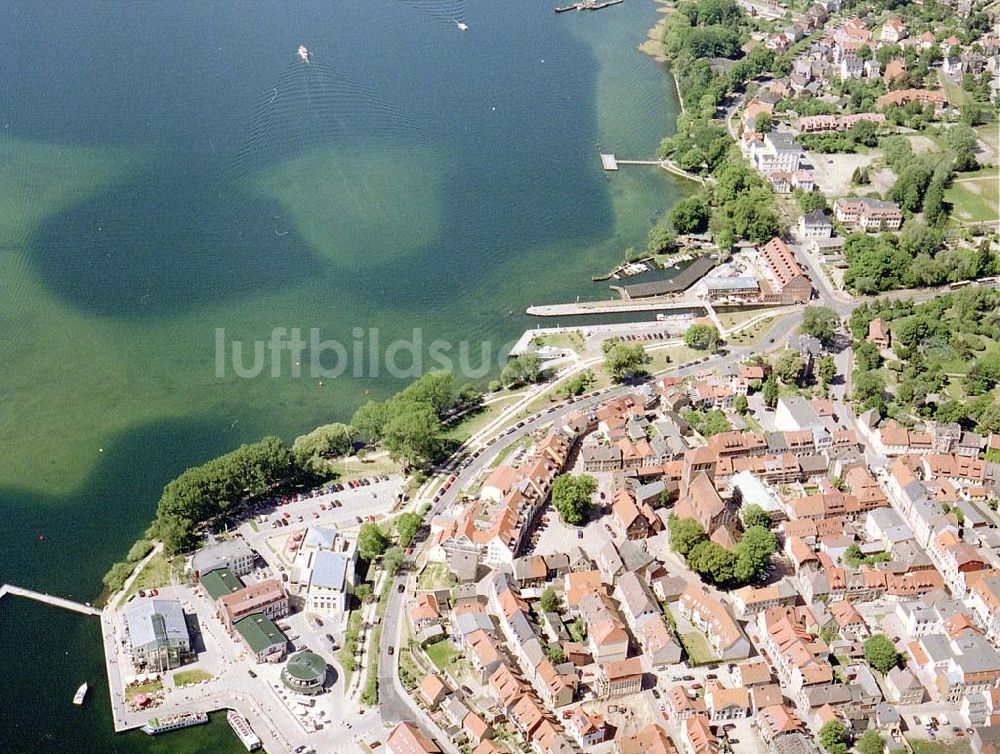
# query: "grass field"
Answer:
x=696 y=646
x=143 y=688
x=154 y=575
x=435 y=576
x=921 y=746
x=975 y=199
x=442 y=653
x=187 y=677
x=571 y=340
x=357 y=468
x=475 y=422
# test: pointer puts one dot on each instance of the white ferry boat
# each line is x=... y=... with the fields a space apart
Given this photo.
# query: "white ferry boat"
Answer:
x=241 y=726
x=174 y=722
x=80 y=694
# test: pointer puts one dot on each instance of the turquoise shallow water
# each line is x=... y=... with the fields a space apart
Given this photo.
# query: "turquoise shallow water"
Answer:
x=172 y=168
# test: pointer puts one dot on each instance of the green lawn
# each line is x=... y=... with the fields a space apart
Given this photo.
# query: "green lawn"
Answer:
x=956 y=95
x=974 y=200
x=663 y=358
x=696 y=646
x=442 y=653
x=345 y=655
x=186 y=677
x=921 y=746
x=154 y=575
x=571 y=340
x=143 y=688
x=474 y=422
x=356 y=468
x=435 y=576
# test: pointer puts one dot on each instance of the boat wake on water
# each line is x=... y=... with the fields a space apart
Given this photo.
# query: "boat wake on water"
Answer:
x=312 y=104
x=450 y=12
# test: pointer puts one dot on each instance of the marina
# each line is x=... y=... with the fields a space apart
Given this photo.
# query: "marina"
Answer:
x=677 y=284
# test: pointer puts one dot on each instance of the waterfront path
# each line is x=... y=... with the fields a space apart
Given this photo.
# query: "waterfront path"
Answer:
x=617 y=306
x=48 y=599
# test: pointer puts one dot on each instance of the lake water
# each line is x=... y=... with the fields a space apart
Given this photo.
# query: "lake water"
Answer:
x=172 y=169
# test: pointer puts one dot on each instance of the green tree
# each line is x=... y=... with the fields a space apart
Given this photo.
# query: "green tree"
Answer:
x=522 y=370
x=364 y=592
x=715 y=423
x=833 y=737
x=549 y=601
x=935 y=211
x=412 y=430
x=139 y=550
x=961 y=139
x=812 y=200
x=369 y=420
x=880 y=653
x=763 y=123
x=790 y=366
x=556 y=654
x=690 y=216
x=769 y=392
x=661 y=238
x=820 y=322
x=434 y=388
x=625 y=361
x=871 y=742
x=406 y=527
x=685 y=534
x=115 y=578
x=571 y=496
x=740 y=404
x=311 y=450
x=753 y=515
x=392 y=559
x=753 y=553
x=702 y=337
x=826 y=369
x=916 y=237
x=868 y=386
x=372 y=541
x=713 y=561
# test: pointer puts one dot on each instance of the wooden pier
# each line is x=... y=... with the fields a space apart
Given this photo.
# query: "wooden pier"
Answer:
x=610 y=163
x=48 y=599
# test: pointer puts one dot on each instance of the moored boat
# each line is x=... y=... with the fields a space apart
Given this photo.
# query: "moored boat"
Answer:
x=174 y=722
x=80 y=694
x=241 y=727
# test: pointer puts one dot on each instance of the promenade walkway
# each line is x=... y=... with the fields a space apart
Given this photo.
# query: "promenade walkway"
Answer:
x=48 y=599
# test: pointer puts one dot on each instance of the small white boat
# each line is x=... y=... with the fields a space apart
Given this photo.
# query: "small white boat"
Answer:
x=304 y=53
x=461 y=26
x=81 y=692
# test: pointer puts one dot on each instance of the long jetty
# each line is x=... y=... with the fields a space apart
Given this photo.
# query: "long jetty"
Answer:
x=610 y=162
x=48 y=599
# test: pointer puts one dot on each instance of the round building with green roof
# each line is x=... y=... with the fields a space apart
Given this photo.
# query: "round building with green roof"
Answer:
x=304 y=673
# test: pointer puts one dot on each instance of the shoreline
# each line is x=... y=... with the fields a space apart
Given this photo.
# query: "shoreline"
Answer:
x=653 y=46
